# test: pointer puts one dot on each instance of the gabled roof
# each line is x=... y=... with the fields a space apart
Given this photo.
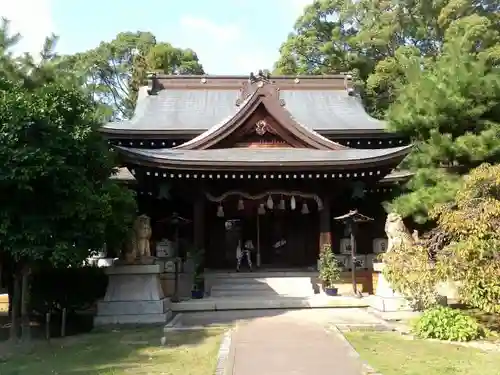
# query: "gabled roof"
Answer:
x=268 y=96
x=193 y=104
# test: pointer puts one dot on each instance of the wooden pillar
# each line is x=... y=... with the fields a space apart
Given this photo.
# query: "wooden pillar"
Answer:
x=325 y=225
x=199 y=222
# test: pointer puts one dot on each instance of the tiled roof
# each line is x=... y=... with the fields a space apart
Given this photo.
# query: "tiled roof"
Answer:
x=194 y=111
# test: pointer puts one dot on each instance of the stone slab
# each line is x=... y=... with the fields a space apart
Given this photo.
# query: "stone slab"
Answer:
x=103 y=320
x=231 y=303
x=389 y=304
x=133 y=307
x=324 y=317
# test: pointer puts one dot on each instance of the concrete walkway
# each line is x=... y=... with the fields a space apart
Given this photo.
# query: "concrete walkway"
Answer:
x=283 y=344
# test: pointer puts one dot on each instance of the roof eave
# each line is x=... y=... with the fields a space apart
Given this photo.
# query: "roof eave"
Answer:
x=384 y=161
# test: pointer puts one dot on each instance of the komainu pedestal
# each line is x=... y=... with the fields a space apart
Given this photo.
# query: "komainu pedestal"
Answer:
x=385 y=298
x=134 y=296
x=399 y=239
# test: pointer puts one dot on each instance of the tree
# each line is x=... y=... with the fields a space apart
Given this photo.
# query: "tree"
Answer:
x=373 y=39
x=58 y=202
x=464 y=247
x=451 y=111
x=115 y=70
x=471 y=225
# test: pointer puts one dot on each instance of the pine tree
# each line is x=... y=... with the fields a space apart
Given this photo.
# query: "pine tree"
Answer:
x=451 y=110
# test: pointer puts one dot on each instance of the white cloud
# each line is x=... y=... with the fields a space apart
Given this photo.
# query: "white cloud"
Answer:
x=32 y=19
x=220 y=33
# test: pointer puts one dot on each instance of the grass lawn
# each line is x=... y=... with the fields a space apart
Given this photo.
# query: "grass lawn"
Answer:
x=392 y=354
x=126 y=351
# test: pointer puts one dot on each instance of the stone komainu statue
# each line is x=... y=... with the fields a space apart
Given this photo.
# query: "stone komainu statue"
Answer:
x=398 y=235
x=138 y=245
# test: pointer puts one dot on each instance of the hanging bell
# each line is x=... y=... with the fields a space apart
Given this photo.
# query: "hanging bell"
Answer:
x=261 y=210
x=292 y=203
x=241 y=205
x=220 y=211
x=305 y=209
x=282 y=204
x=270 y=203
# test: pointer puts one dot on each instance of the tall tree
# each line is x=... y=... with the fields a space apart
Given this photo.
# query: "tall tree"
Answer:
x=56 y=195
x=115 y=70
x=451 y=110
x=373 y=39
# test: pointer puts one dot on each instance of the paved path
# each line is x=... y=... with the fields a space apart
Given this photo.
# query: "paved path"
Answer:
x=291 y=342
x=283 y=344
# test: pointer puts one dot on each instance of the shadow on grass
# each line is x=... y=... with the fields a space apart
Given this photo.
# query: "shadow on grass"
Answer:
x=118 y=351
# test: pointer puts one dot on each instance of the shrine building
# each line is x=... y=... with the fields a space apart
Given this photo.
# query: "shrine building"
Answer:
x=262 y=158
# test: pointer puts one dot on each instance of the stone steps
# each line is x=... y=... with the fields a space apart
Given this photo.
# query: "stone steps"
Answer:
x=261 y=286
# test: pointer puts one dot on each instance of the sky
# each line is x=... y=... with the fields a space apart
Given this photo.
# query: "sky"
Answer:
x=229 y=36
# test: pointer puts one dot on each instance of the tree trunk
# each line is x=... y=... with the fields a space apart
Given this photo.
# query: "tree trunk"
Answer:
x=16 y=302
x=25 y=311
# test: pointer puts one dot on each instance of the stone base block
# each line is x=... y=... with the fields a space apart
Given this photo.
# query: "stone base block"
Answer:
x=133 y=307
x=132 y=312
x=389 y=304
x=103 y=320
x=134 y=296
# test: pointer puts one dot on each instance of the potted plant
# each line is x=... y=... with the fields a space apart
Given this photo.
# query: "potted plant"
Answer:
x=329 y=271
x=197 y=291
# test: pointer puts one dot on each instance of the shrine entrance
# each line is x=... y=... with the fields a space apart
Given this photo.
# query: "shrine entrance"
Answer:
x=282 y=239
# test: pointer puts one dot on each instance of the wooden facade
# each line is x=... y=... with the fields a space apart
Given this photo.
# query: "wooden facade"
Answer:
x=262 y=170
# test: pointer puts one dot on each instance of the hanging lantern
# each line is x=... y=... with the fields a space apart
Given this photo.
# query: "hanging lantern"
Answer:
x=282 y=204
x=220 y=211
x=241 y=205
x=261 y=210
x=292 y=203
x=320 y=205
x=305 y=209
x=270 y=203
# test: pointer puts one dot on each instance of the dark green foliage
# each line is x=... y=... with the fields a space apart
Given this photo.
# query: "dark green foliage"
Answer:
x=73 y=288
x=430 y=67
x=57 y=198
x=377 y=40
x=451 y=110
x=444 y=323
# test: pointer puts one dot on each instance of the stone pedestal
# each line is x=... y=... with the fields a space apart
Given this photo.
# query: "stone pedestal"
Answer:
x=385 y=298
x=134 y=296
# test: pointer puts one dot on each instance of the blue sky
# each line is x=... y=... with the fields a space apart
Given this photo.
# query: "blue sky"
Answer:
x=230 y=36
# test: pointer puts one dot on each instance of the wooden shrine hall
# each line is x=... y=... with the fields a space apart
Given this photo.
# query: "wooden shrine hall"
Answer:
x=267 y=159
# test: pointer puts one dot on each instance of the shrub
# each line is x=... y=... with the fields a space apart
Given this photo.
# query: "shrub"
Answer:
x=444 y=323
x=472 y=223
x=329 y=270
x=74 y=288
x=410 y=273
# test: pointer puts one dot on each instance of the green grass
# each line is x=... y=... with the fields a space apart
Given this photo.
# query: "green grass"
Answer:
x=391 y=354
x=130 y=351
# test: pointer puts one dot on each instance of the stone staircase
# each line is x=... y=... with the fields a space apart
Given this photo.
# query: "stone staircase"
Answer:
x=261 y=284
